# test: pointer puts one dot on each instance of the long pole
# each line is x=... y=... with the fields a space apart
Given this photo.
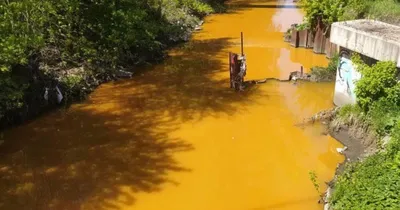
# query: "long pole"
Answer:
x=230 y=68
x=241 y=42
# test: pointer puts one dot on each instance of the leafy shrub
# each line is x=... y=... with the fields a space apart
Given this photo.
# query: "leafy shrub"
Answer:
x=373 y=183
x=303 y=26
x=326 y=73
x=333 y=63
x=393 y=147
x=21 y=27
x=11 y=94
x=198 y=7
x=383 y=116
x=72 y=81
x=370 y=184
x=377 y=81
x=328 y=11
x=99 y=34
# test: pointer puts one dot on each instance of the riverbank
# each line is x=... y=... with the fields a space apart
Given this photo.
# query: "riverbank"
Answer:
x=57 y=72
x=352 y=136
x=369 y=159
x=357 y=139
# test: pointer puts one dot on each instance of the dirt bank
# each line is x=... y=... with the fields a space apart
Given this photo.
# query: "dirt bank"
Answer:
x=74 y=84
x=358 y=142
x=357 y=138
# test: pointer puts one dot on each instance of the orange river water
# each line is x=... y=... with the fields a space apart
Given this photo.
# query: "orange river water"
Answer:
x=176 y=137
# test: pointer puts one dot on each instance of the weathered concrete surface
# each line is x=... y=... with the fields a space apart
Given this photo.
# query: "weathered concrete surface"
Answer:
x=375 y=39
x=330 y=48
x=346 y=77
x=295 y=38
x=319 y=42
x=333 y=50
x=303 y=37
x=310 y=40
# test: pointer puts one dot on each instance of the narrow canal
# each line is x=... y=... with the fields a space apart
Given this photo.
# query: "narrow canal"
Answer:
x=175 y=137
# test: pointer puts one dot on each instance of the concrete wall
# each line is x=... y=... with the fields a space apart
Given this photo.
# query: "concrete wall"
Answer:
x=374 y=39
x=369 y=44
x=346 y=76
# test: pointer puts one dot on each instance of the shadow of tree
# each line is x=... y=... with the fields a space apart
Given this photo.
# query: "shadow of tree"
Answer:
x=192 y=84
x=67 y=158
x=121 y=138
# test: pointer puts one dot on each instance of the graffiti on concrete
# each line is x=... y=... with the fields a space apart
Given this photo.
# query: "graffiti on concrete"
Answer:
x=345 y=82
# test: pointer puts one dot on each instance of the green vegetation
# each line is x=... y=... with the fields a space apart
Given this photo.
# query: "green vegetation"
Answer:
x=378 y=82
x=11 y=93
x=373 y=183
x=322 y=13
x=326 y=73
x=302 y=26
x=288 y=34
x=325 y=12
x=39 y=39
x=314 y=178
x=384 y=10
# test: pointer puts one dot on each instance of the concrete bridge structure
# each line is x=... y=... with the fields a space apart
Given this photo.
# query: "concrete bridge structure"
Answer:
x=373 y=40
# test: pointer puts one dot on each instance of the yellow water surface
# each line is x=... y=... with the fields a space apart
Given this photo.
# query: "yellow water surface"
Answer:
x=175 y=137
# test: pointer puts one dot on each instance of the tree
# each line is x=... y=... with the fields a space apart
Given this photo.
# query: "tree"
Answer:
x=322 y=13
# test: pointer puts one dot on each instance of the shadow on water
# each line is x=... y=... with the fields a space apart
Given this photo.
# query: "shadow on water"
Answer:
x=120 y=140
x=192 y=86
x=72 y=157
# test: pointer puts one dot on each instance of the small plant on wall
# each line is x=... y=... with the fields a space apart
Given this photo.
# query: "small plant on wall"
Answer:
x=303 y=26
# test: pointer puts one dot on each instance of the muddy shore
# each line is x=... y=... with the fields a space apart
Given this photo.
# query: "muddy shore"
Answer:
x=357 y=143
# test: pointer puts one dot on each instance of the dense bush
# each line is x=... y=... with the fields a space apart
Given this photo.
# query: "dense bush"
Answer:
x=11 y=93
x=378 y=81
x=384 y=10
x=47 y=36
x=329 y=11
x=383 y=117
x=378 y=97
x=373 y=183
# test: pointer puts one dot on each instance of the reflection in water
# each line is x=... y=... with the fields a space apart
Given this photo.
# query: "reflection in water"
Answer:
x=176 y=137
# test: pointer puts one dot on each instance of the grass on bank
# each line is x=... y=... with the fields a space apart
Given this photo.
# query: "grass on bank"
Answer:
x=383 y=10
